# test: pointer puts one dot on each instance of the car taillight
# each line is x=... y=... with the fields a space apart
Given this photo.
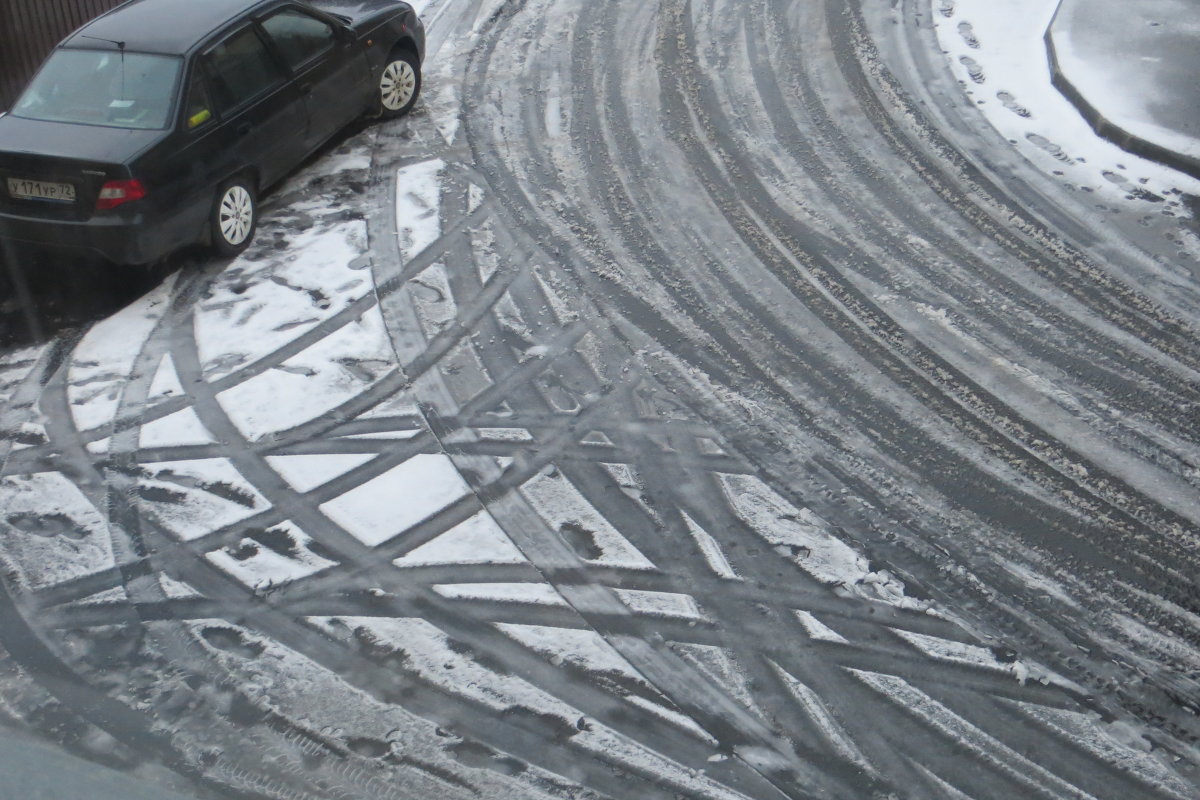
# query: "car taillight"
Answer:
x=115 y=193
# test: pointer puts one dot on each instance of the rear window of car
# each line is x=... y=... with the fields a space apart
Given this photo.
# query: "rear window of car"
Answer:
x=103 y=87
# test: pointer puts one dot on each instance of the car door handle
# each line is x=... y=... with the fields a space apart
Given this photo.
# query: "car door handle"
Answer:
x=243 y=129
x=306 y=88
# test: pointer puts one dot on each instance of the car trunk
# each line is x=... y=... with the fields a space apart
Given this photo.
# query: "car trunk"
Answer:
x=56 y=171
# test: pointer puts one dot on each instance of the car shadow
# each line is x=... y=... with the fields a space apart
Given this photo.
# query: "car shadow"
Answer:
x=45 y=294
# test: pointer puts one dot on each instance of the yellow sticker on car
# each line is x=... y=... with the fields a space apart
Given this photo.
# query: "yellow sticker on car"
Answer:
x=199 y=118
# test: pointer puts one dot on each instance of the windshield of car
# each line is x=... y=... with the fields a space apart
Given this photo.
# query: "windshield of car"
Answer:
x=103 y=87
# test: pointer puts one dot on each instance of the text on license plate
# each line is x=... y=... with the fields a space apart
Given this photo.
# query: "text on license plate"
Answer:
x=41 y=190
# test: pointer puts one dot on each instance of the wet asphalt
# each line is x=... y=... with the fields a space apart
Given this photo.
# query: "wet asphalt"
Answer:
x=696 y=317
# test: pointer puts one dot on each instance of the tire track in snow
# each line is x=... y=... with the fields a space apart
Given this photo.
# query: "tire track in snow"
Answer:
x=588 y=242
x=605 y=105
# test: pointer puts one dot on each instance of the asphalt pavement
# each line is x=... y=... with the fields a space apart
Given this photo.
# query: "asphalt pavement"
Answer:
x=689 y=399
x=36 y=770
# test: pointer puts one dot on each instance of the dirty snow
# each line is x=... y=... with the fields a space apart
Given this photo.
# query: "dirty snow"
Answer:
x=805 y=538
x=192 y=498
x=255 y=307
x=564 y=508
x=328 y=373
x=51 y=529
x=418 y=220
x=102 y=361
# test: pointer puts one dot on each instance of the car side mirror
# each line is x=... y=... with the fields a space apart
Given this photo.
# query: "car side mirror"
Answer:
x=343 y=34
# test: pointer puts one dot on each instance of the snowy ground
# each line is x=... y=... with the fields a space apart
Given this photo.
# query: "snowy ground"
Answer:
x=559 y=441
x=998 y=52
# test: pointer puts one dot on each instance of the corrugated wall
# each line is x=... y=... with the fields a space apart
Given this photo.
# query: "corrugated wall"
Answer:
x=29 y=29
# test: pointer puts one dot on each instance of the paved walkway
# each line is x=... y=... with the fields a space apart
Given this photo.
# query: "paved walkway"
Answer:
x=1131 y=67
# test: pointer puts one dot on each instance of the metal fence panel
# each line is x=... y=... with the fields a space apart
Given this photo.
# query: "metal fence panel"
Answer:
x=29 y=30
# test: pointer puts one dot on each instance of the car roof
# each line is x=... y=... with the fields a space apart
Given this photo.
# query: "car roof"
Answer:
x=161 y=26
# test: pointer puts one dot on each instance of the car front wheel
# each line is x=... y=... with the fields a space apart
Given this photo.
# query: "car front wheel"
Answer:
x=399 y=83
x=234 y=217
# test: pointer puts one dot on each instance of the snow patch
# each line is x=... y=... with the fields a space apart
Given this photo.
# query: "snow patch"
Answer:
x=192 y=498
x=418 y=195
x=1011 y=58
x=477 y=540
x=538 y=593
x=174 y=430
x=258 y=566
x=327 y=374
x=568 y=511
x=306 y=472
x=101 y=363
x=398 y=499
x=256 y=308
x=51 y=530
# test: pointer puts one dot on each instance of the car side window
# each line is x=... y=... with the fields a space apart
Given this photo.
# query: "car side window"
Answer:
x=242 y=68
x=300 y=37
x=198 y=109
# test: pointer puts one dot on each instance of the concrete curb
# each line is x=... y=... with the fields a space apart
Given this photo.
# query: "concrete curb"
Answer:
x=1106 y=128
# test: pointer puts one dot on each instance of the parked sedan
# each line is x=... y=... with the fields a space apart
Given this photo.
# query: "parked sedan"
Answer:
x=160 y=123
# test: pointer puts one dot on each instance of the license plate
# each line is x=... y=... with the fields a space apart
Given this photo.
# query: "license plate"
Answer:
x=23 y=189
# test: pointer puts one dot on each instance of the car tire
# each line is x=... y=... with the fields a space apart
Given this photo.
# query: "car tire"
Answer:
x=399 y=84
x=234 y=217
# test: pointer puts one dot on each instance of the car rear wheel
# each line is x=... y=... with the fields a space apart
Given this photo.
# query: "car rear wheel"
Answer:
x=399 y=83
x=235 y=217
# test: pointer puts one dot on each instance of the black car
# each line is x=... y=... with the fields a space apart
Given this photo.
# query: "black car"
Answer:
x=158 y=124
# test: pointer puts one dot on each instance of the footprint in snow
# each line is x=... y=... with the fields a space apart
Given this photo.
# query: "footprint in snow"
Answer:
x=967 y=31
x=47 y=526
x=1122 y=182
x=973 y=68
x=1010 y=102
x=1037 y=140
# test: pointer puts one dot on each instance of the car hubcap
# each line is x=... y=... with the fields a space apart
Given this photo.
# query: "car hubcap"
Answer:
x=236 y=215
x=397 y=85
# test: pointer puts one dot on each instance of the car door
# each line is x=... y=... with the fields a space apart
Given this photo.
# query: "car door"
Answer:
x=330 y=72
x=258 y=103
x=197 y=156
